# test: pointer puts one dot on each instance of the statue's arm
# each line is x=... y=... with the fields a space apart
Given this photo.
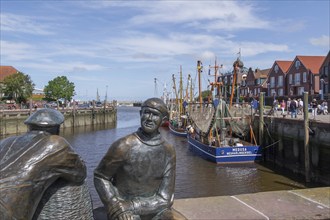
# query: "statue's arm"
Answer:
x=163 y=198
x=105 y=171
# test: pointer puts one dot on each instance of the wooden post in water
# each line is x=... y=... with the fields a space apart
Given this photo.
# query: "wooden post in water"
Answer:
x=306 y=139
x=261 y=118
x=30 y=106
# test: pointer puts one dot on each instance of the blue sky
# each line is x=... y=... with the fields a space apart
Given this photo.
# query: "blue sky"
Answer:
x=119 y=47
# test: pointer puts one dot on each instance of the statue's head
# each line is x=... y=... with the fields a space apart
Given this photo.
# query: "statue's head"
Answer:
x=45 y=119
x=153 y=113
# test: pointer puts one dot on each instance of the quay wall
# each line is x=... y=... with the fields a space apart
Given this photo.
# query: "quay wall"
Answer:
x=12 y=121
x=283 y=146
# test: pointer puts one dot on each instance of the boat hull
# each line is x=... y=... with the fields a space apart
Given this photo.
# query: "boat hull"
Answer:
x=230 y=154
x=180 y=133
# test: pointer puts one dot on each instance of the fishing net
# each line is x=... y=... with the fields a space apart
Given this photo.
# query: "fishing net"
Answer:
x=242 y=118
x=65 y=201
x=202 y=115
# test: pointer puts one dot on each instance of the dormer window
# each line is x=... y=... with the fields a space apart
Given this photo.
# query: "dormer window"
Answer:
x=297 y=64
x=276 y=69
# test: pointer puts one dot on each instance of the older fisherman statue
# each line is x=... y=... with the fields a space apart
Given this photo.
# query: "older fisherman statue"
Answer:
x=32 y=163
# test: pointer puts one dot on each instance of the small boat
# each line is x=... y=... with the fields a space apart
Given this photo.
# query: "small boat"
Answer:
x=178 y=117
x=181 y=132
x=219 y=131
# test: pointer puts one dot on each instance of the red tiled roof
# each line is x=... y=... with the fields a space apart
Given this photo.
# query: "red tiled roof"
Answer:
x=284 y=65
x=313 y=63
x=6 y=71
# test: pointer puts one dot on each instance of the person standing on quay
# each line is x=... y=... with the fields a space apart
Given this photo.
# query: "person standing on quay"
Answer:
x=293 y=108
x=282 y=106
x=314 y=108
x=288 y=105
x=136 y=178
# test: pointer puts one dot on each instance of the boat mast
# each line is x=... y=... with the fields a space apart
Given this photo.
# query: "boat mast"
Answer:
x=156 y=88
x=175 y=92
x=181 y=92
x=199 y=69
x=233 y=84
x=237 y=65
x=215 y=84
x=187 y=96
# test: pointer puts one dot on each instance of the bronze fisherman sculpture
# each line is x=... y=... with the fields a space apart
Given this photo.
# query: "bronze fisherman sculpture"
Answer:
x=32 y=162
x=136 y=177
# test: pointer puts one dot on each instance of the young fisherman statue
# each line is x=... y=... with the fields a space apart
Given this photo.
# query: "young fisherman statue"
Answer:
x=136 y=177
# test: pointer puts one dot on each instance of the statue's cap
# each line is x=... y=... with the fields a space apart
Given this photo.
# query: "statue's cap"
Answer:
x=156 y=103
x=45 y=117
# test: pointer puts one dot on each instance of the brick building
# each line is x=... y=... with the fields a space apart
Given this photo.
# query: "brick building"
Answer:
x=304 y=76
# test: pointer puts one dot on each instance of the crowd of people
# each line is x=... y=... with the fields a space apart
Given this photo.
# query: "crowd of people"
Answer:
x=294 y=107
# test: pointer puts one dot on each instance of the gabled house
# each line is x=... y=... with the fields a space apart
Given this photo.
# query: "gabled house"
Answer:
x=4 y=72
x=276 y=78
x=303 y=75
x=256 y=81
x=324 y=77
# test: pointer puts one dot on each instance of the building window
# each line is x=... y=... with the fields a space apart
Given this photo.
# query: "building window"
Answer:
x=280 y=81
x=273 y=92
x=297 y=79
x=297 y=64
x=300 y=90
x=272 y=82
x=304 y=77
x=280 y=92
x=276 y=69
x=290 y=79
x=325 y=73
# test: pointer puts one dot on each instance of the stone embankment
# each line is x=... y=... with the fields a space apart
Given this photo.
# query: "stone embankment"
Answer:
x=12 y=121
x=284 y=145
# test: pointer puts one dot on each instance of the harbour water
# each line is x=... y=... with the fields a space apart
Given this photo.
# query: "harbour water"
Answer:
x=195 y=177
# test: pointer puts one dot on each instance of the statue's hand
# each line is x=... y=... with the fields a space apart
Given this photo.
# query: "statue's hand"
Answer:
x=128 y=216
x=122 y=208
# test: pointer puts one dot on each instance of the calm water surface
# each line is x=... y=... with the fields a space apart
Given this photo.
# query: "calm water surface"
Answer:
x=195 y=177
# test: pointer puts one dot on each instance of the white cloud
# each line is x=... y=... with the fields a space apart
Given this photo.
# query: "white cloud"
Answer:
x=203 y=15
x=23 y=24
x=321 y=41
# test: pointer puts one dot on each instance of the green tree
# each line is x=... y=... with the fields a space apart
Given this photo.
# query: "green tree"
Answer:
x=59 y=88
x=18 y=86
x=206 y=94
